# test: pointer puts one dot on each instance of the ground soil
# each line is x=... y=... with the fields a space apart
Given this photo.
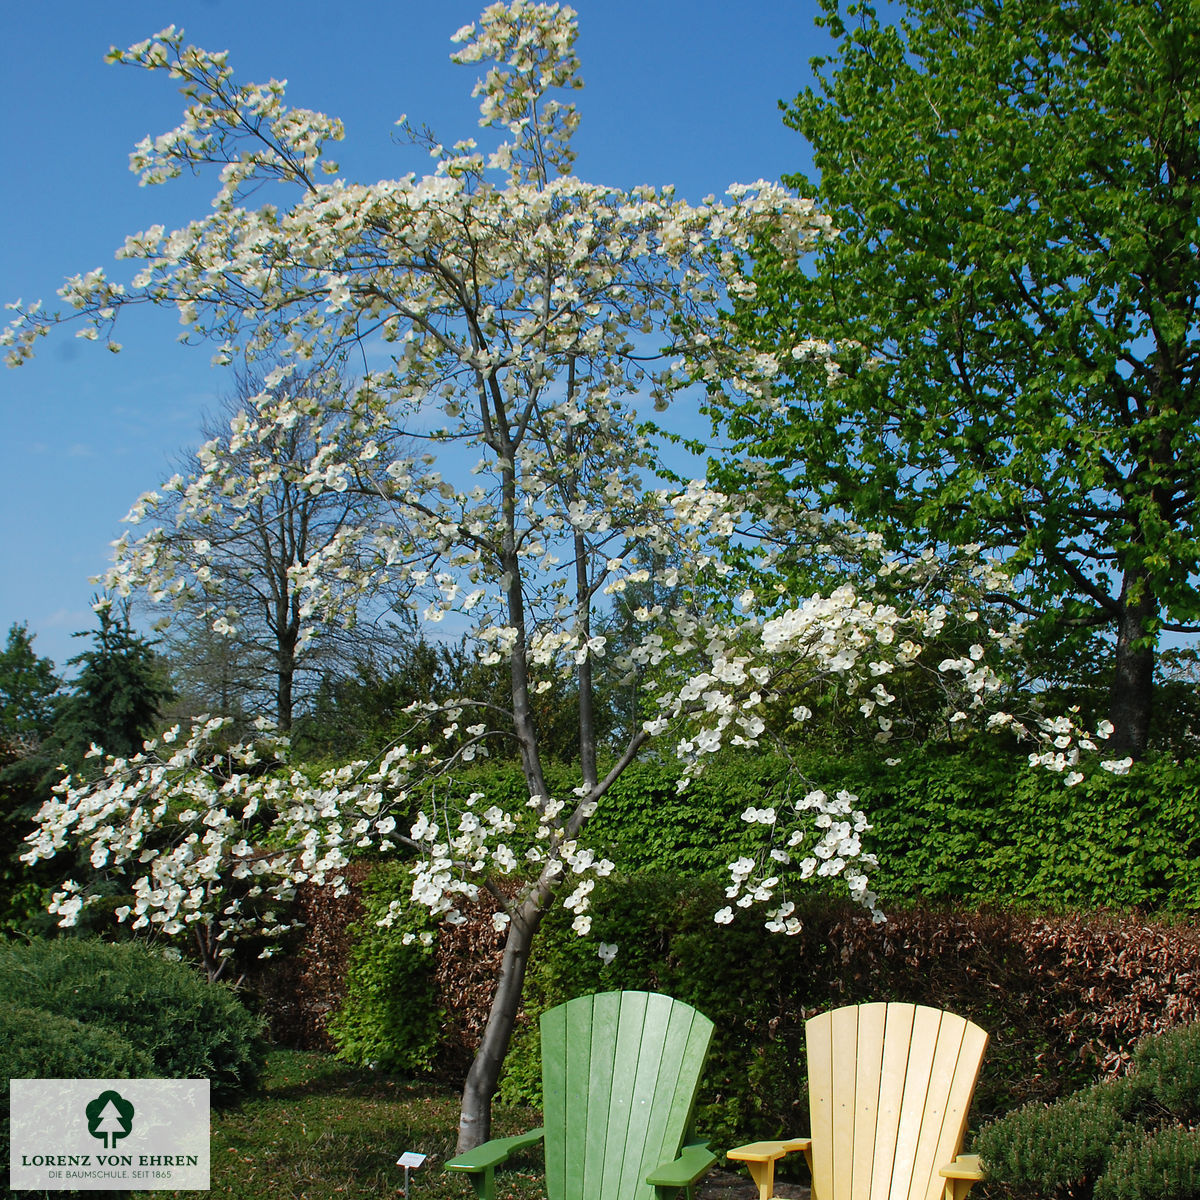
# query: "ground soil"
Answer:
x=730 y=1185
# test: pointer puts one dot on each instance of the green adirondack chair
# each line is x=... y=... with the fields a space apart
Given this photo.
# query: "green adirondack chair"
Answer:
x=620 y=1071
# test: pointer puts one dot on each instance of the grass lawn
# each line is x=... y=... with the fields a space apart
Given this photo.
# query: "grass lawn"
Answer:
x=322 y=1130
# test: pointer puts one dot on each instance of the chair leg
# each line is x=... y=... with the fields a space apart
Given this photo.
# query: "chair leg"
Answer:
x=763 y=1174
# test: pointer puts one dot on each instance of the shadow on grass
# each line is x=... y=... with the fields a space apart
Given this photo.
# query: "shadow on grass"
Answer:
x=324 y=1130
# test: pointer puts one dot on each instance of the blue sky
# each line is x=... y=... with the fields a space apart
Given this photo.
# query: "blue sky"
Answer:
x=677 y=91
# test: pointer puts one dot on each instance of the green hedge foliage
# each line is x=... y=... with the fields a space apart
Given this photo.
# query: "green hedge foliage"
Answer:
x=390 y=1017
x=1127 y=1139
x=972 y=823
x=189 y=1028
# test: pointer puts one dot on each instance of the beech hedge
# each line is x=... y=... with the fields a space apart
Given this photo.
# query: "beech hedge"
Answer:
x=970 y=823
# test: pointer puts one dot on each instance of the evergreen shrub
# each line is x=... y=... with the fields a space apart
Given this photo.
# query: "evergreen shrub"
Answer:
x=1163 y=1166
x=35 y=1044
x=189 y=1028
x=1124 y=1139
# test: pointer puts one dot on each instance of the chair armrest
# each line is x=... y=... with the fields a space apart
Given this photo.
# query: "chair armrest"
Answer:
x=960 y=1176
x=768 y=1151
x=965 y=1166
x=760 y=1158
x=481 y=1163
x=693 y=1161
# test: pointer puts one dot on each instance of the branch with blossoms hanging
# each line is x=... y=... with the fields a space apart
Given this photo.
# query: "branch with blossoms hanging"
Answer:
x=529 y=317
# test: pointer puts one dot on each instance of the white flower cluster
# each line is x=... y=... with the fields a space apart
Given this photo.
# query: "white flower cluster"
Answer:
x=203 y=838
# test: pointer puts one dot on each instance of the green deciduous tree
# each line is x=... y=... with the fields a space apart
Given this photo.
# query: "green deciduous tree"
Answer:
x=1014 y=300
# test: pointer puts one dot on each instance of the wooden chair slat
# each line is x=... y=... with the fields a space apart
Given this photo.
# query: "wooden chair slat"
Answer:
x=554 y=1084
x=897 y=1035
x=915 y=1098
x=943 y=1070
x=843 y=1085
x=869 y=1064
x=819 y=1047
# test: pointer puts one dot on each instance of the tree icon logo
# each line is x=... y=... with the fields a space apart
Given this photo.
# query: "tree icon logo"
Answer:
x=109 y=1116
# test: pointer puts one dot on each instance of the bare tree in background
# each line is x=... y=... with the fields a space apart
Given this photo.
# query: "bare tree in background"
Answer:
x=239 y=635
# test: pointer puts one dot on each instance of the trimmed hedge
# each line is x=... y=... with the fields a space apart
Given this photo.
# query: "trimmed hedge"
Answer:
x=970 y=823
x=1063 y=998
x=187 y=1027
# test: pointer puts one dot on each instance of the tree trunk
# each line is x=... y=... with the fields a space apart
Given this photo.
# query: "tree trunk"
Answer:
x=285 y=677
x=475 y=1118
x=1132 y=691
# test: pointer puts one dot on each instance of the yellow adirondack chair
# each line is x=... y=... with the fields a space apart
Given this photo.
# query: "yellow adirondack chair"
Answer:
x=889 y=1087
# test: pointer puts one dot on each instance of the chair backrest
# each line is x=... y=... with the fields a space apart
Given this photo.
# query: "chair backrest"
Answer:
x=620 y=1071
x=889 y=1089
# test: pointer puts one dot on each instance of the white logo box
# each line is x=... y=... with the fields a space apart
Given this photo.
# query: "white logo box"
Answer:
x=98 y=1134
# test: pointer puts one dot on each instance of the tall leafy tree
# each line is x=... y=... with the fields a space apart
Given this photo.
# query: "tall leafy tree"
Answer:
x=1014 y=300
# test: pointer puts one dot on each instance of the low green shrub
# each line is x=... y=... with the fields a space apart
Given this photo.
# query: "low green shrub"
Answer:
x=1124 y=1139
x=390 y=1016
x=35 y=1044
x=187 y=1027
x=1163 y=1166
x=1170 y=1066
x=1050 y=1150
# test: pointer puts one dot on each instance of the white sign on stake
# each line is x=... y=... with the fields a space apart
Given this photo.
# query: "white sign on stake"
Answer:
x=410 y=1158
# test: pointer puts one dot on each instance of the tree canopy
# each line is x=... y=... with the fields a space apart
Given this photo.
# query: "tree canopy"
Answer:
x=1013 y=299
x=28 y=687
x=227 y=568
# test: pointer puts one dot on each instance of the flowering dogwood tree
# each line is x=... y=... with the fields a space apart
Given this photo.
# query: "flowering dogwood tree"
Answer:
x=528 y=314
